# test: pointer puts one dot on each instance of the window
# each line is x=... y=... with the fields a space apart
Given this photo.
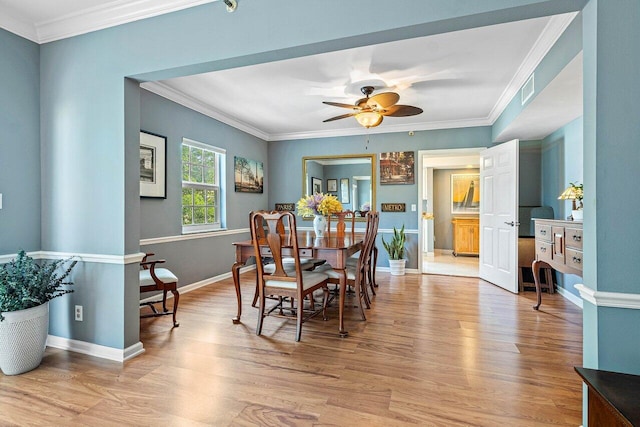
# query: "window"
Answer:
x=202 y=189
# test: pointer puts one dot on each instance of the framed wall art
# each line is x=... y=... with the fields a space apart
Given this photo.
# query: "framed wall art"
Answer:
x=397 y=168
x=465 y=193
x=344 y=190
x=316 y=185
x=248 y=175
x=153 y=165
x=332 y=185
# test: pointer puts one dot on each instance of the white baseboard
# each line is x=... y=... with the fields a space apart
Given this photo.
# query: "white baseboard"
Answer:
x=406 y=270
x=571 y=297
x=96 y=350
x=121 y=355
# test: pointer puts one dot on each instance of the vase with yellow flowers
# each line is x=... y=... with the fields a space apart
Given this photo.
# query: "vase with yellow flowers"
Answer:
x=319 y=205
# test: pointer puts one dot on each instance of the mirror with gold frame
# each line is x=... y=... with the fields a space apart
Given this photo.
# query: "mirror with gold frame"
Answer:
x=355 y=171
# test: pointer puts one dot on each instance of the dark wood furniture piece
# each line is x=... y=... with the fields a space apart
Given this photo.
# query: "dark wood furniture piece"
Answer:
x=295 y=284
x=558 y=246
x=613 y=398
x=341 y=224
x=358 y=275
x=154 y=279
x=335 y=250
x=466 y=236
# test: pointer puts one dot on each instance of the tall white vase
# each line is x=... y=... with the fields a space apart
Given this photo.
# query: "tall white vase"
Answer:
x=319 y=225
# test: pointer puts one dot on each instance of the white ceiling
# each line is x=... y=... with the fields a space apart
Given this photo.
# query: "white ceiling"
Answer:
x=460 y=79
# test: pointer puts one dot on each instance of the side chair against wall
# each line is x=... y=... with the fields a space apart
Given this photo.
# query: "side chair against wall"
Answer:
x=153 y=279
x=357 y=276
x=295 y=284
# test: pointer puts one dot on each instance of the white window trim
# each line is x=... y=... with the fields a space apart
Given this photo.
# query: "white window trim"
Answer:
x=220 y=171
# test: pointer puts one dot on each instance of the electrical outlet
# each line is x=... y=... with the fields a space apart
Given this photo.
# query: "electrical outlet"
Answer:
x=413 y=207
x=78 y=313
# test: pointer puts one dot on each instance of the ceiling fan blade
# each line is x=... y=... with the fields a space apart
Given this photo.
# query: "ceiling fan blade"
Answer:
x=338 y=104
x=385 y=99
x=343 y=116
x=402 y=111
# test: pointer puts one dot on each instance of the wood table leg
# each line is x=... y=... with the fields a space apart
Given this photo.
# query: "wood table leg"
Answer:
x=343 y=296
x=535 y=269
x=235 y=272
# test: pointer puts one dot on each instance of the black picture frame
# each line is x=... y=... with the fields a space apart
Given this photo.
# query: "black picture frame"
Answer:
x=316 y=185
x=153 y=165
x=332 y=185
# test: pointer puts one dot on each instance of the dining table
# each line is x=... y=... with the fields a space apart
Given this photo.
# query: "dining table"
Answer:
x=332 y=248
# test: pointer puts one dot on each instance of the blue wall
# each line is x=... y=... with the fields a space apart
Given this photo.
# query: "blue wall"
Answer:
x=19 y=144
x=284 y=153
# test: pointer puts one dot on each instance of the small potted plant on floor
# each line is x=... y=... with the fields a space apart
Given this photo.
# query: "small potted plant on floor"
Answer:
x=26 y=287
x=396 y=250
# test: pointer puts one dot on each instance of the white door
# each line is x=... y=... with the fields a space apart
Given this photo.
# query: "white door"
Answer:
x=499 y=215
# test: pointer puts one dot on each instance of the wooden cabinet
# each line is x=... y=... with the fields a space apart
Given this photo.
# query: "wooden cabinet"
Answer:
x=558 y=245
x=466 y=236
x=612 y=398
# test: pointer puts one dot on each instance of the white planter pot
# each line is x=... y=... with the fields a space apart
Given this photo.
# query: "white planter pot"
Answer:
x=396 y=266
x=23 y=338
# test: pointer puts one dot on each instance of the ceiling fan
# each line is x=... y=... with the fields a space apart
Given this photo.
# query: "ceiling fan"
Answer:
x=369 y=111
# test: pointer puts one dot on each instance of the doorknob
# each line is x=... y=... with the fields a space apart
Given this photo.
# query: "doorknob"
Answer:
x=512 y=223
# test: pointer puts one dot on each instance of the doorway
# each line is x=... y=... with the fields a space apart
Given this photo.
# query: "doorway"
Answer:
x=438 y=169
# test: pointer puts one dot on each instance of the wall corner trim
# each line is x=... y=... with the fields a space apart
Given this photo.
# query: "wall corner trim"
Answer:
x=609 y=299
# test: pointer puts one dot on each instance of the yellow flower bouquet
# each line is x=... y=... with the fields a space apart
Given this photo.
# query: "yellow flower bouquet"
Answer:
x=319 y=204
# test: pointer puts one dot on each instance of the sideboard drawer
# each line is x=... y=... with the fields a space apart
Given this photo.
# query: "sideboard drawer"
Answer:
x=544 y=250
x=574 y=259
x=573 y=237
x=543 y=232
x=305 y=252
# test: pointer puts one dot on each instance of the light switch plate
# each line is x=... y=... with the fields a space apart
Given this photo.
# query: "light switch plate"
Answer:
x=413 y=207
x=0 y=200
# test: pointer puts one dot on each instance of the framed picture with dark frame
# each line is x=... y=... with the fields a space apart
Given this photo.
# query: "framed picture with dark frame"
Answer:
x=344 y=190
x=316 y=185
x=332 y=185
x=153 y=165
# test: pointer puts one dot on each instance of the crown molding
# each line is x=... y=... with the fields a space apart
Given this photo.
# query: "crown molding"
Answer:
x=168 y=92
x=96 y=18
x=549 y=36
x=18 y=26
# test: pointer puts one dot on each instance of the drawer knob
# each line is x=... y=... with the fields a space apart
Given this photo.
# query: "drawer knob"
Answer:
x=577 y=260
x=543 y=231
x=577 y=238
x=543 y=249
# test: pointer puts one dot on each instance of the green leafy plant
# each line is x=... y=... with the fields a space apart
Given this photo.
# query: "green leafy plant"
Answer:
x=578 y=190
x=25 y=283
x=395 y=248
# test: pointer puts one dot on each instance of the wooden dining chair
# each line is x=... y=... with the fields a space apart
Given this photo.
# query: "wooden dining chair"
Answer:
x=295 y=284
x=357 y=275
x=343 y=218
x=372 y=260
x=153 y=279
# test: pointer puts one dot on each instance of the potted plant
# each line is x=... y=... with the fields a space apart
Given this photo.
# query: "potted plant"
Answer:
x=395 y=248
x=26 y=287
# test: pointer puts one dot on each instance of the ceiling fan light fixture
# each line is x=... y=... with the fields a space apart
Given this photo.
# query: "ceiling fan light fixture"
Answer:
x=369 y=119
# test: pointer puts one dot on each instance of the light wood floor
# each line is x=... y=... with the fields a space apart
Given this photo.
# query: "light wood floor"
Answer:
x=435 y=351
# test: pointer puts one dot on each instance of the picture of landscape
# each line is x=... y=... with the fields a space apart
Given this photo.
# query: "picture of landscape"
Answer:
x=249 y=175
